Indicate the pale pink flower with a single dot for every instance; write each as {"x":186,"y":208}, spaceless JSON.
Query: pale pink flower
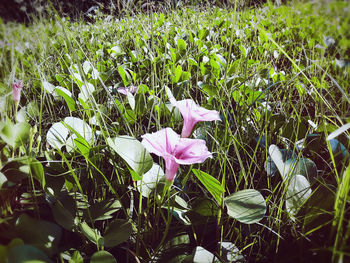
{"x":16,"y":90}
{"x":125,"y":91}
{"x":193,"y":113}
{"x":175,"y":150}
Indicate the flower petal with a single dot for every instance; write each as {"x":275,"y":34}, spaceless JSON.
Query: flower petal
{"x":189,"y":151}
{"x":189,"y":108}
{"x":16,"y":90}
{"x":192,"y":113}
{"x":161,"y":143}
{"x":125,"y":91}
{"x":171,"y":167}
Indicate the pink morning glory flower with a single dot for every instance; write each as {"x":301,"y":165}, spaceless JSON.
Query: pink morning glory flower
{"x":16,"y":90}
{"x":125,"y":91}
{"x":175,"y":150}
{"x":193,"y":113}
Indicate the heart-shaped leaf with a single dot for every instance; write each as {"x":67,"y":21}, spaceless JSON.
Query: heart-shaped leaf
{"x":48,"y":87}
{"x":102,"y":257}
{"x":298,"y":191}
{"x":201,"y":255}
{"x":37,"y":171}
{"x":87,"y":90}
{"x":133,"y":152}
{"x":131,"y":100}
{"x":57,"y":135}
{"x":292,"y":166}
{"x":42,"y":234}
{"x":247,"y":206}
{"x":102,"y":210}
{"x":26,"y":253}
{"x":64,"y":210}
{"x":117,"y":232}
{"x":15,"y":135}
{"x":302,"y":166}
{"x":67,"y":96}
{"x":205,"y":207}
{"x":270,"y":166}
{"x":17,"y":169}
{"x":150,"y":180}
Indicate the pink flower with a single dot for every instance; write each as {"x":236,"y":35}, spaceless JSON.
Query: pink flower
{"x":175,"y":150}
{"x":125,"y":91}
{"x":192,"y":113}
{"x":16,"y":90}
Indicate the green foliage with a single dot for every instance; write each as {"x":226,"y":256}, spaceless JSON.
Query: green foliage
{"x":102,"y":256}
{"x":77,"y":185}
{"x":133,"y":152}
{"x":247,"y":206}
{"x":15,"y":134}
{"x":211,"y":184}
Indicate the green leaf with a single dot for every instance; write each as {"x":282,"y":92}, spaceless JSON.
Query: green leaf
{"x":117,"y":232}
{"x":302,"y":166}
{"x":131,"y":100}
{"x":80,"y":129}
{"x":247,"y":206}
{"x":57,"y":135}
{"x":116,"y":51}
{"x":130,"y":116}
{"x":37,"y":171}
{"x":83,"y":146}
{"x":15,"y":135}
{"x":87,"y":91}
{"x":150,"y":180}
{"x":42,"y":234}
{"x":178,"y":73}
{"x":76,"y":258}
{"x":203,"y":33}
{"x":33,"y":109}
{"x":339,"y":151}
{"x":201,"y":255}
{"x":102,"y":210}
{"x":174,"y":250}
{"x":181,"y":44}
{"x":292,"y":166}
{"x":64,"y":210}
{"x":205,"y":207}
{"x":87,"y":67}
{"x":298,"y":191}
{"x":17,"y":169}
{"x":211,"y":90}
{"x":91,"y":234}
{"x":211,"y":184}
{"x":59,"y":131}
{"x":124,"y":75}
{"x":277,"y":157}
{"x":26,"y":253}
{"x":67,"y":96}
{"x":77,"y":79}
{"x":48,"y":87}
{"x":133,"y":152}
{"x":102,"y":257}
{"x":3,"y":179}
{"x":192,"y":62}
